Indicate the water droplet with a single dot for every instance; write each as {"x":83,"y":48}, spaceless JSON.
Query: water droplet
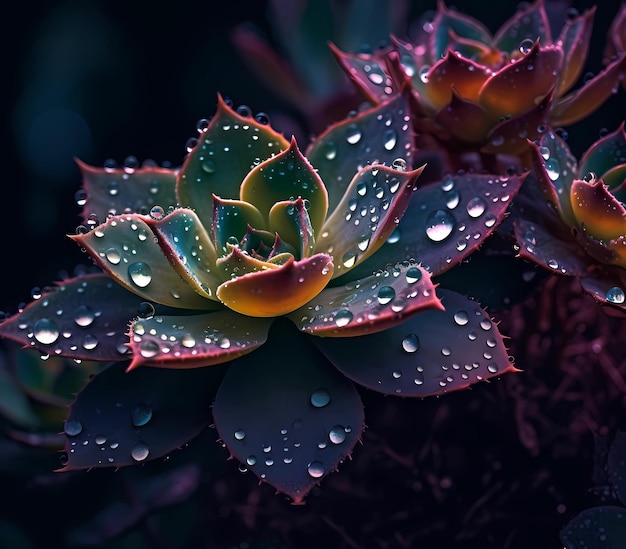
{"x":476,"y":207}
{"x":145,"y":310}
{"x":390,"y":139}
{"x":208,"y":166}
{"x":84,"y":316}
{"x":157,"y":212}
{"x":315,"y":469}
{"x":354,"y":134}
{"x":140,"y":273}
{"x":343,"y":317}
{"x":452,"y":200}
{"x":240,"y":435}
{"x":251,"y":460}
{"x":349,"y":259}
{"x":413,"y":275}
{"x":141,"y":414}
{"x":320,"y":398}
{"x":615,"y":295}
{"x":461,"y":318}
{"x":399,"y":164}
{"x":553,"y":168}
{"x":337,"y":434}
{"x":439,"y":225}
{"x":386,"y":295}
{"x":46,"y":331}
{"x":330,"y":150}
{"x":140,"y":451}
{"x":113,"y":256}
{"x":410,"y":343}
{"x":73,"y":427}
{"x":526,"y":45}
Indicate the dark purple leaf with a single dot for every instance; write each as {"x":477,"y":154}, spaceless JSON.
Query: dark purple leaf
{"x":287,"y":414}
{"x":432,"y":353}
{"x":123,"y":418}
{"x":602,"y":527}
{"x":84,"y":318}
{"x":119,"y":190}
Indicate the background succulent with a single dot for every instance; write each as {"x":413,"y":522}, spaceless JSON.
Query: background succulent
{"x":575,"y":225}
{"x":489,"y":93}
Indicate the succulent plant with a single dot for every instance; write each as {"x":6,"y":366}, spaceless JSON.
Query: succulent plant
{"x":577,"y":225}
{"x":257,"y":287}
{"x":475,"y":91}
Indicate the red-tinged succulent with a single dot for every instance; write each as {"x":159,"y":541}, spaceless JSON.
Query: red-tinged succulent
{"x":291,"y":275}
{"x":490,"y":93}
{"x":577,"y":224}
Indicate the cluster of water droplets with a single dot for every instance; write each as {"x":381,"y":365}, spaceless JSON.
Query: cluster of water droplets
{"x":140,"y":415}
{"x":62,"y":329}
{"x":157,"y":337}
{"x":286,"y":446}
{"x":364,"y":301}
{"x":464,"y":218}
{"x":458,"y":363}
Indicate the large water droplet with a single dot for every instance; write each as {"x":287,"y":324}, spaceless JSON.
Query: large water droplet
{"x":553,"y":168}
{"x":439,"y":225}
{"x":410,"y":343}
{"x":354,"y":134}
{"x":140,"y":273}
{"x":140,"y":451}
{"x":320,"y":398}
{"x":386,"y":295}
{"x":390,"y":139}
{"x":240,"y":435}
{"x":46,"y":331}
{"x":615,"y":295}
{"x":141,"y":414}
{"x":84,"y":316}
{"x":337,"y":434}
{"x":461,"y":318}
{"x":315,"y":469}
{"x":343,"y":317}
{"x":476,"y":207}
{"x":413,"y":275}
{"x":73,"y":427}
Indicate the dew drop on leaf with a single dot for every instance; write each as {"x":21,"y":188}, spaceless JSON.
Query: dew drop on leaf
{"x":46,"y":331}
{"x":320,"y":398}
{"x":141,"y":414}
{"x":140,"y":274}
{"x":439,"y":225}
{"x":140,"y":451}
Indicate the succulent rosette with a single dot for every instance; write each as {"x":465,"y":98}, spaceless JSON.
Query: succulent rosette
{"x":292,"y":275}
{"x":482,"y":92}
{"x":577,"y":226}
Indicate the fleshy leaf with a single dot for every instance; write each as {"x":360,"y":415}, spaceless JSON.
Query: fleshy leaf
{"x":446,"y":221}
{"x":582,"y":102}
{"x":597,"y":211}
{"x":367,"y":72}
{"x":455,"y":72}
{"x":122,"y":418}
{"x":511,"y":136}
{"x":286,"y":176}
{"x":476,"y":121}
{"x":602,"y":526}
{"x":370,"y":210}
{"x":605,"y":154}
{"x":541,"y":245}
{"x":238,"y":263}
{"x":187,"y":245}
{"x":191,"y":341}
{"x":119,"y":190}
{"x":555,"y":167}
{"x":224,"y":155}
{"x":575,"y":37}
{"x":522,"y":85}
{"x":432,"y":353}
{"x":83,"y":318}
{"x":606,"y":289}
{"x":368,"y":305}
{"x":447,"y":20}
{"x":290,"y":219}
{"x":530,"y":23}
{"x":290,"y":420}
{"x":279,"y":291}
{"x":125,"y":247}
{"x":232,"y":218}
{"x":380,"y":134}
